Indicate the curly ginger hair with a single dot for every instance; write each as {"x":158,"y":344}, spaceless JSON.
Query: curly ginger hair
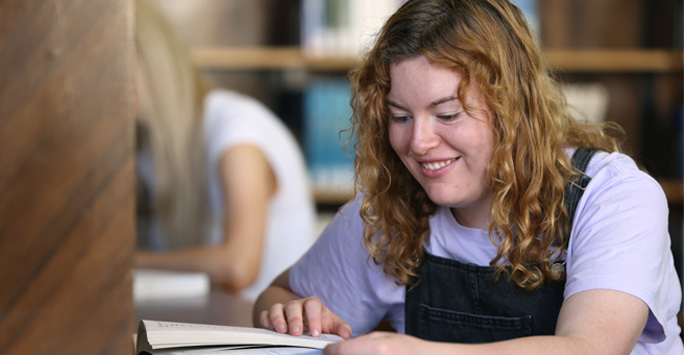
{"x":490,"y":42}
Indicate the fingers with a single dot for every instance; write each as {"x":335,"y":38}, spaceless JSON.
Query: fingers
{"x":265,"y":321}
{"x":312,"y":309}
{"x":274,"y":318}
{"x":290,"y":317}
{"x":295,"y":317}
{"x":342,"y":329}
{"x":307,"y":314}
{"x":320,"y":319}
{"x":377,"y":343}
{"x":323,"y":320}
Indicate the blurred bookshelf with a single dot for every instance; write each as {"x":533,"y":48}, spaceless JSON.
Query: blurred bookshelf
{"x":616,"y":60}
{"x":624,"y":66}
{"x":580,"y":61}
{"x":294,"y":58}
{"x":674,"y":190}
{"x":268,"y":58}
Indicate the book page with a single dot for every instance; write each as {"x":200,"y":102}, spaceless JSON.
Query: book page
{"x":160,"y":335}
{"x":221,"y":350}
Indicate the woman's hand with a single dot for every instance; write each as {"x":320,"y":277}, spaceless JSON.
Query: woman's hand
{"x":379,"y":343}
{"x":304,"y":315}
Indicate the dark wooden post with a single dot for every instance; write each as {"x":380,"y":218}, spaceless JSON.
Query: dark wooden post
{"x":66,"y":176}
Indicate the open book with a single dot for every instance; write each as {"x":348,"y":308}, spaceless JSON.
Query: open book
{"x":156,"y":337}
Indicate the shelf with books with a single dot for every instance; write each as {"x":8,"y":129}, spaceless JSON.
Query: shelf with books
{"x":333,"y":197}
{"x":293,"y":57}
{"x":268,"y":58}
{"x":616,"y":60}
{"x":286,"y":58}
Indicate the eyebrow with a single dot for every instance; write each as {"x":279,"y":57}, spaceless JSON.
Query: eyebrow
{"x":431,"y":105}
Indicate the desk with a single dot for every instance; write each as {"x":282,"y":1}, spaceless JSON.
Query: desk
{"x":219,"y":307}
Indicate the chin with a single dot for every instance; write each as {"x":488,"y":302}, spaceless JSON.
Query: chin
{"x":441,"y":201}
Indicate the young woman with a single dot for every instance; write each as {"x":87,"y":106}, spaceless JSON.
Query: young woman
{"x":486,"y":213}
{"x":226,"y":184}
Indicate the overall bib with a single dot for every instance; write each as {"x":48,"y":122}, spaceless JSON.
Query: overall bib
{"x":459,"y":302}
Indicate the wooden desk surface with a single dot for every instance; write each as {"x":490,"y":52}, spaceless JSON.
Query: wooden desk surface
{"x":219,"y":307}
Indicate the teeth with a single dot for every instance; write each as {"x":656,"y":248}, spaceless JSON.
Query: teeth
{"x":437,"y":165}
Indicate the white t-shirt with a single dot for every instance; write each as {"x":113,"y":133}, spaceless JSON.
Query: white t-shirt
{"x":232,"y":119}
{"x":619,"y":241}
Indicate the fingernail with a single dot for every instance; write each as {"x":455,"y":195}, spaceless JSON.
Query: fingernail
{"x":315,"y":332}
{"x":281,"y":328}
{"x":295,"y":330}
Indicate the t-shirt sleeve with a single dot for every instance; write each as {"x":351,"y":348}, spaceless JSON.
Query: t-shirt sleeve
{"x":620,"y":241}
{"x":232,"y":120}
{"x":338,"y":272}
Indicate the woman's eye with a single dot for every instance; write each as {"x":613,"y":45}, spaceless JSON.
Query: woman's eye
{"x":400,"y":118}
{"x":449,"y":117}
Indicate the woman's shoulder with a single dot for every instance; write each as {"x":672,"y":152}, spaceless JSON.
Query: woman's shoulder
{"x":346,"y":226}
{"x":617,"y":172}
{"x":351,"y":210}
{"x":233,"y":118}
{"x":618,"y":162}
{"x":227,"y":104}
{"x":620,"y":241}
{"x":621,"y":203}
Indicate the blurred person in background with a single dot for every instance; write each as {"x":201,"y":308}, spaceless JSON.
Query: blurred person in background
{"x":222,"y":183}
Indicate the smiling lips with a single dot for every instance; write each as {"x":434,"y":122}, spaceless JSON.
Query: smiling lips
{"x":436,"y":165}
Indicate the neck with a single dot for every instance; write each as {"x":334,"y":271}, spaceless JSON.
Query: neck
{"x":480,"y":218}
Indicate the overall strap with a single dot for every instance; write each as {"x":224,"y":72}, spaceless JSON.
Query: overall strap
{"x":463,"y":303}
{"x":575,"y":188}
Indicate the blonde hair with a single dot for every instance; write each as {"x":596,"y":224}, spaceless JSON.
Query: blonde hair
{"x":490,"y":42}
{"x":170,"y":125}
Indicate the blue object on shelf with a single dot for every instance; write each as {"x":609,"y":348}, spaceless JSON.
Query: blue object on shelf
{"x":326,"y":114}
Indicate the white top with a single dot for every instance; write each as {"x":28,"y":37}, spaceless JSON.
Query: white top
{"x":619,"y":241}
{"x":232,"y":119}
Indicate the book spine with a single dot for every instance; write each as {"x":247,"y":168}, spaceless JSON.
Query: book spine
{"x":342,"y":27}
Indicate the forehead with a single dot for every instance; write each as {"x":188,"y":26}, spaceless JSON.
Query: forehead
{"x":418,"y":79}
{"x":421,"y":67}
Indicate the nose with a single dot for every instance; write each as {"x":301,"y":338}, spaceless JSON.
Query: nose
{"x":424,"y":137}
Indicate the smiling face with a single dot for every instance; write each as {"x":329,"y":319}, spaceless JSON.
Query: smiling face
{"x":446,"y":149}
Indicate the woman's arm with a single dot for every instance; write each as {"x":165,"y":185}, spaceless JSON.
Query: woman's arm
{"x":248,"y":183}
{"x":590,"y":322}
{"x":280,"y":309}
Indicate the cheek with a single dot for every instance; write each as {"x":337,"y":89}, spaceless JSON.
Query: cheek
{"x":483,"y":134}
{"x":486,"y":149}
{"x":488,"y":140}
{"x":397,"y":138}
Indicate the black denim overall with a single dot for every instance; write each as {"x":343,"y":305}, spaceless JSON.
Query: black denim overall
{"x":458,"y":302}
